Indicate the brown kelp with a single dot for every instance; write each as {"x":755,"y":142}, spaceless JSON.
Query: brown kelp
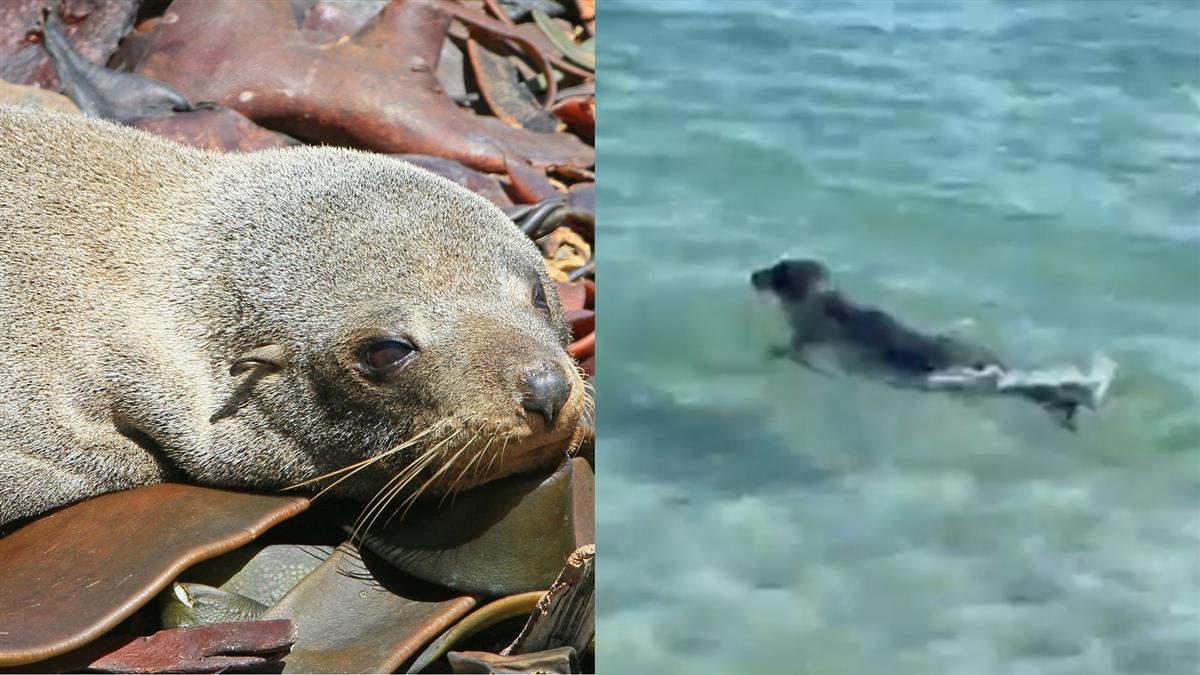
{"x":375,"y":90}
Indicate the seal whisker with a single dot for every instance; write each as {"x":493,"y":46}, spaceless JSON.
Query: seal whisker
{"x":335,"y":484}
{"x":466,"y":445}
{"x":395,"y":485}
{"x":503,"y":448}
{"x":357,"y":466}
{"x":411,"y":499}
{"x":450,"y":491}
{"x":576,"y":442}
{"x":408,"y":501}
{"x":492,"y":459}
{"x":467,"y":466}
{"x":400,"y":478}
{"x":395,"y":494}
{"x":364,"y":466}
{"x":500,"y":454}
{"x":378,"y":503}
{"x":479,"y":467}
{"x":381,"y":456}
{"x":583,"y":375}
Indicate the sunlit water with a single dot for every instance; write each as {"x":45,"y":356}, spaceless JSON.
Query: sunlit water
{"x":1025,"y":173}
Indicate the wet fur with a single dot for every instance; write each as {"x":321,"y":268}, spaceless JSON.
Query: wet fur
{"x":134,"y":272}
{"x":899,"y":347}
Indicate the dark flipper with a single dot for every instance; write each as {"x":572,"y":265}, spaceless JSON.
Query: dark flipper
{"x":100,"y":92}
{"x":1063,"y":412}
{"x":775,"y":352}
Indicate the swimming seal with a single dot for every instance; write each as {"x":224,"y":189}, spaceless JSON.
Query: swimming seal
{"x":866,"y":340}
{"x":259,"y":320}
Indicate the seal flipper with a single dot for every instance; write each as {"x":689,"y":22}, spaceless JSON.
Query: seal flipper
{"x":1104,"y":371}
{"x":775,"y":352}
{"x":1062,"y":392}
{"x":1063,"y":412}
{"x":100,"y":92}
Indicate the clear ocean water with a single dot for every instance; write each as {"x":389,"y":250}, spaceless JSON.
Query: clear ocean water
{"x":1027,"y":173}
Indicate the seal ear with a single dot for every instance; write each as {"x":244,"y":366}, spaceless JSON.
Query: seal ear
{"x":259,"y":362}
{"x":266,"y":359}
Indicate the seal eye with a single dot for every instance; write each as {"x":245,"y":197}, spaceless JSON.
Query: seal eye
{"x":539,"y":295}
{"x":387,"y":353}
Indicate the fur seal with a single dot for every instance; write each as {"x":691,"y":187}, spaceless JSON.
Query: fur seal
{"x":868,"y":341}
{"x":260,"y":320}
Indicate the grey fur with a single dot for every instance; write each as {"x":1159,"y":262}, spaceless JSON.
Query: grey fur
{"x":135,"y":272}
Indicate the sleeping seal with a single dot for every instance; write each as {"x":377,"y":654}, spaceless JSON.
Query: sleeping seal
{"x":868,"y":341}
{"x":259,"y":320}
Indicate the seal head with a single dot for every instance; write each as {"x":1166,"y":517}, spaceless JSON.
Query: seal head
{"x":792,"y":280}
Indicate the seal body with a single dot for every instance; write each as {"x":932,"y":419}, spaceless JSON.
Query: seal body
{"x":863,"y":338}
{"x":868,"y":341}
{"x":258,"y":320}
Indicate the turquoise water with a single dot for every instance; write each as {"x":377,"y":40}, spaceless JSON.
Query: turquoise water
{"x":1027,"y":173}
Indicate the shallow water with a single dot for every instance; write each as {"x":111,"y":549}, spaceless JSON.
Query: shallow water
{"x":1027,"y":173}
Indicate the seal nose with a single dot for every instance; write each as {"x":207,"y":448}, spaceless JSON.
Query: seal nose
{"x":760,"y":280}
{"x":544,"y":390}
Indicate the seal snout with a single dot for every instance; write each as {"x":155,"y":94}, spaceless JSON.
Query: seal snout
{"x":791,"y":279}
{"x":761,"y":280}
{"x":544,"y":390}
